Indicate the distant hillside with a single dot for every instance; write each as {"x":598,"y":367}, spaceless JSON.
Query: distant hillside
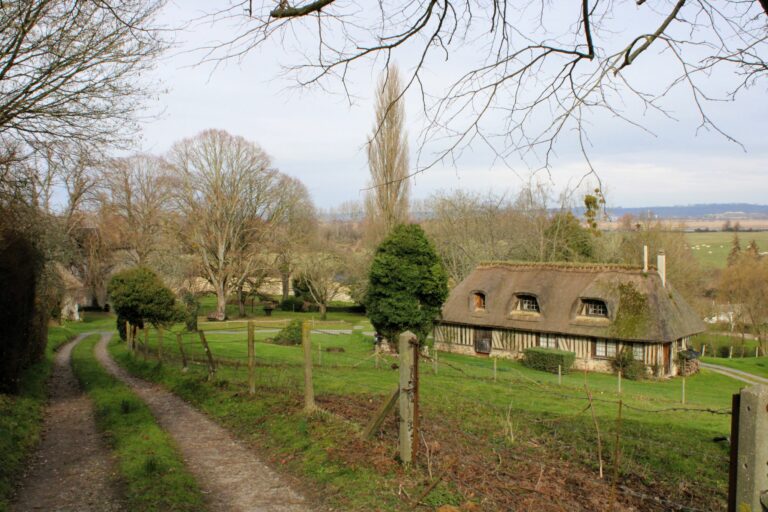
{"x":697,"y":211}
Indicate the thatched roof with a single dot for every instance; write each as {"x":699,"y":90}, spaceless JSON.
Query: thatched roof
{"x":639,"y":307}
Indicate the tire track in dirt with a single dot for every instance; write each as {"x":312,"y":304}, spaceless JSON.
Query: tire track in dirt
{"x":72,"y":469}
{"x":231,"y":476}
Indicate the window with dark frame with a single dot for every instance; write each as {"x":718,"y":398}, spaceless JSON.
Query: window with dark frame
{"x":605,"y":349}
{"x":592,"y":307}
{"x":638,"y":351}
{"x":478,"y":301}
{"x":528,"y":303}
{"x":547,"y":340}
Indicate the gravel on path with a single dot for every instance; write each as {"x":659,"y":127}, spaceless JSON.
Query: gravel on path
{"x":231,"y":476}
{"x":72,"y":468}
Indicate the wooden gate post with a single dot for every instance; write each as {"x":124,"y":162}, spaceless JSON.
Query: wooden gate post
{"x":251,"y":361}
{"x":405,"y":434}
{"x":749,"y":492}
{"x":309,"y":390}
{"x":180,"y":342}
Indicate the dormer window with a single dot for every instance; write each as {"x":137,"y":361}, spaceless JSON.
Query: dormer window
{"x":478,"y":301}
{"x":592,"y":307}
{"x":527,"y":303}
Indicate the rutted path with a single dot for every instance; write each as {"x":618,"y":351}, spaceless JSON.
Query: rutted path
{"x":749,"y":378}
{"x":71,"y":470}
{"x":232,"y":477}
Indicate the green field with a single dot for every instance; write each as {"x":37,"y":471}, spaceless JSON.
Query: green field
{"x":522,"y":412}
{"x":712,"y":248}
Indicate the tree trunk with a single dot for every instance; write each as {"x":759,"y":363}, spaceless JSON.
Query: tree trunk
{"x":285,"y":277}
{"x":221,"y":304}
{"x":323,"y":311}
{"x":241,"y":301}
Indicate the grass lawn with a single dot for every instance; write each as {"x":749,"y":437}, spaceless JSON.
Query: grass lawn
{"x":712,"y":248}
{"x":718,"y":345}
{"x":150,"y":466}
{"x":21,"y":416}
{"x":524,"y":413}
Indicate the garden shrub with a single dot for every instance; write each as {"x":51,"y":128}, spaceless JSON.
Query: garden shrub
{"x":723,"y":351}
{"x":191,"y":310}
{"x":292,"y":304}
{"x":548,"y":359}
{"x":290,"y":334}
{"x":630,"y":368}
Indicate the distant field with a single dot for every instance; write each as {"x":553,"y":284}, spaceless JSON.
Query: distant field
{"x":712,"y":248}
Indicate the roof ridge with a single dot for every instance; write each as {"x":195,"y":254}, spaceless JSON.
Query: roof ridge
{"x":567,"y":266}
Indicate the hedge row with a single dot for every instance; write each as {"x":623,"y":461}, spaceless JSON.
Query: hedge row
{"x":548,"y":359}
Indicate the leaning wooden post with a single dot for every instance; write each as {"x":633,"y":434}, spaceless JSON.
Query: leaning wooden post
{"x":309,"y":391}
{"x":405,"y":434}
{"x":730,"y":353}
{"x":751,"y":485}
{"x":180,"y":343}
{"x":251,"y":361}
{"x":211,"y":362}
{"x":703,"y":350}
{"x":160,"y":343}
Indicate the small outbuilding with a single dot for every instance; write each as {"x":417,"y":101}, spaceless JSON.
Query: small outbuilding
{"x":593,"y":310}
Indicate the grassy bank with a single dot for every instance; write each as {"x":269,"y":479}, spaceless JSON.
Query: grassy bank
{"x":21,"y":416}
{"x":150,"y":466}
{"x":508,"y":424}
{"x":755,"y":365}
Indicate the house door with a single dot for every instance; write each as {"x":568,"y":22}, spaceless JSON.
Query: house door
{"x":483,"y":340}
{"x":667,"y":358}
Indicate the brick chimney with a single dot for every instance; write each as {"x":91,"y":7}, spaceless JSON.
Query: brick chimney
{"x":645,"y":259}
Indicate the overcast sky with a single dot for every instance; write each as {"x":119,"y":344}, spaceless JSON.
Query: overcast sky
{"x":318,"y":136}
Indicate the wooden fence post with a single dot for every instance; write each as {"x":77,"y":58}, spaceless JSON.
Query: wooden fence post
{"x":309,"y":391}
{"x":559,"y":375}
{"x":251,"y":361}
{"x":685,"y":368}
{"x":619,"y":381}
{"x":495,"y":359}
{"x":434,"y":362}
{"x":750,"y":491}
{"x":211,"y":362}
{"x":730,"y":352}
{"x":180,"y":343}
{"x":146,"y":341}
{"x":160,"y":343}
{"x":128,"y":333}
{"x":405,"y":434}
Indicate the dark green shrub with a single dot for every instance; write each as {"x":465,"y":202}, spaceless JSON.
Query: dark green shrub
{"x":291,"y":304}
{"x":121,"y":328}
{"x":548,"y":359}
{"x":290,"y":334}
{"x":630,"y":368}
{"x":723,"y":351}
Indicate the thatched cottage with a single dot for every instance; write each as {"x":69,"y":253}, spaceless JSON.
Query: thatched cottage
{"x":592,"y":310}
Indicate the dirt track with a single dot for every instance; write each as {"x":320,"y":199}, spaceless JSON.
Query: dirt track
{"x":231,"y":476}
{"x":71,"y":470}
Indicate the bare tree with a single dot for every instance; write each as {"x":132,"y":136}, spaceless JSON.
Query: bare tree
{"x":137,"y":190}
{"x":744,"y":285}
{"x":536,"y":68}
{"x":321,"y":273}
{"x":74,"y":70}
{"x":294,"y":228}
{"x":387,"y":202}
{"x":228,"y":197}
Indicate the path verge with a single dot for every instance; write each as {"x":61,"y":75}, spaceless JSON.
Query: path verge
{"x":749,"y":378}
{"x":233,"y":478}
{"x":71,"y":470}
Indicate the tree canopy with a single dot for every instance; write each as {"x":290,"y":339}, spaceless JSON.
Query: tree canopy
{"x":139,"y":295}
{"x":407,"y":284}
